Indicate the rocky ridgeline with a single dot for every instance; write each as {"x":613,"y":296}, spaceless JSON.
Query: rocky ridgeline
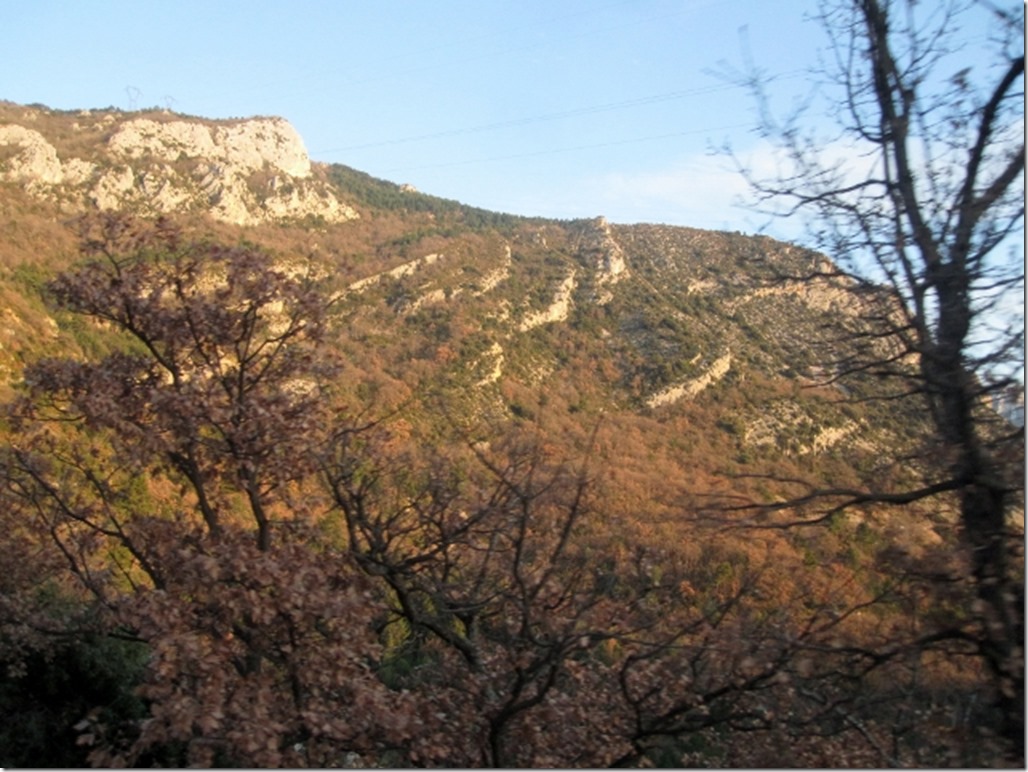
{"x":242,"y":172}
{"x":596,"y":241}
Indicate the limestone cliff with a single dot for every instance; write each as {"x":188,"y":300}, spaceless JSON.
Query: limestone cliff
{"x":240,"y":171}
{"x":596,"y":241}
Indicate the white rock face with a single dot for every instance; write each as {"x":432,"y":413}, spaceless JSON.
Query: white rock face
{"x":77,"y":172}
{"x":818,"y":294}
{"x":496,"y":277}
{"x":611,"y":266}
{"x":608,"y":257}
{"x":242,"y":172}
{"x":404,"y":269}
{"x":245,"y":147}
{"x":113,"y":187}
{"x":688,"y":390}
{"x":165,"y":141}
{"x":35,"y":160}
{"x":558,"y":310}
{"x":495,"y":353}
{"x":779,"y":419}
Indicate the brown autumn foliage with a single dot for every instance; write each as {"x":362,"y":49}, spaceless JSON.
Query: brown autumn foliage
{"x":317,"y":588}
{"x":928,"y":228}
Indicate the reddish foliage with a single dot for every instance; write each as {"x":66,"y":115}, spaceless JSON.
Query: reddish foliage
{"x":317,"y":594}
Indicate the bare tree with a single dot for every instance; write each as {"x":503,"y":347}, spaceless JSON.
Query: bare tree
{"x":916,"y":193}
{"x":169,"y":476}
{"x":219,"y":375}
{"x":310,"y":591}
{"x":515,"y":614}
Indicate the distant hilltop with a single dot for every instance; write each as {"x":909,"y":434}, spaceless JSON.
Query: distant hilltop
{"x":238,"y":171}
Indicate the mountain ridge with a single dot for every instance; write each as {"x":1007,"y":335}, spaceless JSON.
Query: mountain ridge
{"x":662,"y":324}
{"x":492,"y":413}
{"x":239,"y":171}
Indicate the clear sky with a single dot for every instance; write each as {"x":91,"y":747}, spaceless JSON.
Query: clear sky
{"x":559,"y":108}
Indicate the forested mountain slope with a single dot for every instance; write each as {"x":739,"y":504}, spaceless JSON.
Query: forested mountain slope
{"x":552,"y":457}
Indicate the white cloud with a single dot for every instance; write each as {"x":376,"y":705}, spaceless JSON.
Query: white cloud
{"x":701,"y":191}
{"x":708,"y":191}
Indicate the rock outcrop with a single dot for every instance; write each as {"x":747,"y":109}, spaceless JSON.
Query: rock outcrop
{"x":688,"y":390}
{"x":558,"y":310}
{"x":243,"y":172}
{"x":598,"y":245}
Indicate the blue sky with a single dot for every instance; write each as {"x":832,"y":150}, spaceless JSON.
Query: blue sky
{"x":559,"y":108}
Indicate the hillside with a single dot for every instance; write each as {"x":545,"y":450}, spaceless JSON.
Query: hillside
{"x":667,"y":313}
{"x":690,"y":373}
{"x":690,"y":334}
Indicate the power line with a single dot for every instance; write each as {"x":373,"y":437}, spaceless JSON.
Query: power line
{"x":580,"y":111}
{"x":449,"y":45}
{"x":573,"y":148}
